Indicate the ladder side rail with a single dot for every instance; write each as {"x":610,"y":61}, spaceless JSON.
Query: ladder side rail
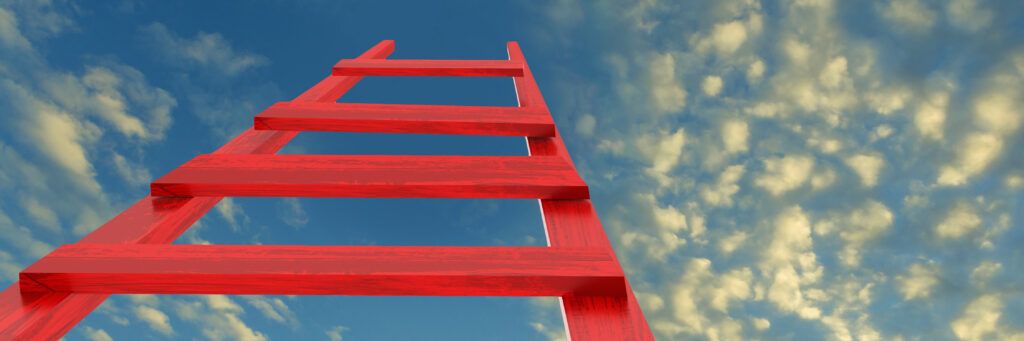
{"x":574,"y":223}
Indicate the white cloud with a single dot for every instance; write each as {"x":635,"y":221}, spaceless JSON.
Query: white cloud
{"x":663,"y":151}
{"x":998,"y":109}
{"x":43,"y":19}
{"x":979,"y":319}
{"x":730,"y":243}
{"x":997,"y":117}
{"x":291,"y":213}
{"x":844,"y":108}
{"x":695,"y":221}
{"x":43,"y":215}
{"x":10,"y":34}
{"x":834,"y":73}
{"x":218,"y":317}
{"x":755,"y":71}
{"x":911,"y":14}
{"x":761,"y":324}
{"x":132,"y":173}
{"x":60,"y":137}
{"x":784,"y":174}
{"x":334,"y":334}
{"x":968,"y":14}
{"x":117,"y":95}
{"x":701,"y":292}
{"x":547,"y":319}
{"x":20,"y":238}
{"x":208,"y":50}
{"x":156,"y":319}
{"x":735,"y":134}
{"x":727,"y":37}
{"x":849,"y":318}
{"x":62,"y":118}
{"x":656,"y":246}
{"x":669,"y":218}
{"x":712,"y":85}
{"x":9,"y":269}
{"x":733,"y":285}
{"x":857,"y":228}
{"x":720,"y":194}
{"x":233,"y":214}
{"x":94,"y":334}
{"x":585,"y":125}
{"x":930,"y":118}
{"x":919,"y":281}
{"x":827,"y":145}
{"x":790,"y":249}
{"x":961,"y":220}
{"x":667,"y":95}
{"x":726,"y":329}
{"x":1000,"y":223}
{"x":985,"y":271}
{"x":797,"y":52}
{"x":880,"y":132}
{"x":652,"y":301}
{"x":273,"y":308}
{"x":888,"y":100}
{"x":823,"y":178}
{"x":112,"y":104}
{"x":669,"y":221}
{"x":222,"y":303}
{"x":1014,"y":181}
{"x":146,"y":299}
{"x":787,"y":296}
{"x":567,"y":13}
{"x":867,"y":167}
{"x":976,"y":152}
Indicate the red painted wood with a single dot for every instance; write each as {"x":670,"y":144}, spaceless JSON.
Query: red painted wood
{"x":327,"y":270}
{"x":601,"y":309}
{"x":377,"y":176}
{"x":43,"y":317}
{"x":421,"y":67}
{"x":331,"y":88}
{"x":151,"y":220}
{"x":574,"y":223}
{"x":403,"y":118}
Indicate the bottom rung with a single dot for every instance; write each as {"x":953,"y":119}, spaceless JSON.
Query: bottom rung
{"x":325,"y":270}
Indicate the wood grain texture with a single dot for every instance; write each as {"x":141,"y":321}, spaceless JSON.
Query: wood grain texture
{"x":333,"y":87}
{"x":42,"y":316}
{"x":376,"y":176}
{"x":579,"y":266}
{"x":152,"y":220}
{"x":423,"y":67}
{"x":406,"y":118}
{"x":34,"y":316}
{"x":574,"y":223}
{"x":327,"y":270}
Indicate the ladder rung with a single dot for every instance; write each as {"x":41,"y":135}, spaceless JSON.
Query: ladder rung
{"x":326,"y":270}
{"x":403,"y":118}
{"x":421,"y":67}
{"x":374,"y":176}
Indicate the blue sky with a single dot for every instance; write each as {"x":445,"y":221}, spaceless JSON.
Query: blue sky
{"x":806,"y":169}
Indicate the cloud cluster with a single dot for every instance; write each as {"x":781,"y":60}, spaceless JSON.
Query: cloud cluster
{"x":833,"y":159}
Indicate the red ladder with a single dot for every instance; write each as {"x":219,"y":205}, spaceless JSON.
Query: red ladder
{"x":132,"y":253}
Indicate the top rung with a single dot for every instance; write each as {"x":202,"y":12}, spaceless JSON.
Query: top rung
{"x":420,"y":67}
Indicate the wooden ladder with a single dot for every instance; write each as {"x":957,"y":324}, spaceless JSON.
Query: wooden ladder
{"x":132,"y":253}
